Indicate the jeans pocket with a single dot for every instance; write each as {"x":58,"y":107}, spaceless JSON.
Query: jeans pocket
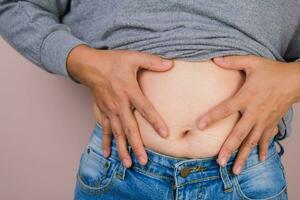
{"x":95,"y":172}
{"x":265,"y":180}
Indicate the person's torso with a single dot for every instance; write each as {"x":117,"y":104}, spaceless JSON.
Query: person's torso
{"x":191,"y":30}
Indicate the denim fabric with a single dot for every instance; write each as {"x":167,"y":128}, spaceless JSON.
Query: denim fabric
{"x":168,"y":178}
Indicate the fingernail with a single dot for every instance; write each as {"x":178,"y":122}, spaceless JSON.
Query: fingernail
{"x":163,"y":132}
{"x":202,"y":125}
{"x":126,"y":162}
{"x":167,"y":63}
{"x":105,"y":153}
{"x":219,"y":59}
{"x":237,"y":170}
{"x":222,"y":161}
{"x":262,"y":158}
{"x":143,"y":160}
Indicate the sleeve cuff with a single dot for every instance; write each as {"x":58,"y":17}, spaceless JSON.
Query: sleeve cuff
{"x":55,"y":50}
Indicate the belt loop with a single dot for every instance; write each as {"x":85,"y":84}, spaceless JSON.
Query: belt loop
{"x":120,"y":174}
{"x":226,"y":180}
{"x":121,"y":170}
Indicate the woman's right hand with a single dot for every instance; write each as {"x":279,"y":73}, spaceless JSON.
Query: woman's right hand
{"x":111,"y":75}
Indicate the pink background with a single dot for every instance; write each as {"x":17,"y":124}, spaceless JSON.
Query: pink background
{"x":45,"y":121}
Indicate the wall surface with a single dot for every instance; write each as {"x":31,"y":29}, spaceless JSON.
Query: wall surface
{"x":45,"y":121}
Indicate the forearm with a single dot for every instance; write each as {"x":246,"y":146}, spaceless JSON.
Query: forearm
{"x":34,"y":29}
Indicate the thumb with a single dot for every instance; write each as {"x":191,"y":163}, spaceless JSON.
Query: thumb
{"x":234,"y":62}
{"x":154,"y":62}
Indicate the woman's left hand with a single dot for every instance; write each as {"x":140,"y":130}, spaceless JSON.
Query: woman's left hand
{"x":270,"y":88}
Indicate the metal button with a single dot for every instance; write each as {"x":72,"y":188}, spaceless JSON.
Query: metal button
{"x":185,"y":171}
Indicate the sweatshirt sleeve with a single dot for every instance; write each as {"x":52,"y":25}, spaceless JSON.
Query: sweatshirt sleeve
{"x":35,"y":30}
{"x":293,"y":51}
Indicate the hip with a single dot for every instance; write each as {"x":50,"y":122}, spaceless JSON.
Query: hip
{"x":166,"y":177}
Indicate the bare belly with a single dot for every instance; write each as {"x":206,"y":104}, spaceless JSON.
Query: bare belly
{"x":181,"y":95}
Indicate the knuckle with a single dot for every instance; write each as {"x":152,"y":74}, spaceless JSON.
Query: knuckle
{"x":123,"y":90}
{"x":113,"y":109}
{"x":128,"y":131}
{"x":252,"y":114}
{"x":105,"y":120}
{"x":250,"y":144}
{"x":105,"y":128}
{"x":118,"y":134}
{"x":239,"y":133}
{"x":126,"y":91}
{"x":137,"y":149}
{"x":264,"y":142}
{"x":224,"y":110}
{"x":228,"y":149}
{"x":106,"y":133}
{"x":145,"y":110}
{"x":240,"y":137}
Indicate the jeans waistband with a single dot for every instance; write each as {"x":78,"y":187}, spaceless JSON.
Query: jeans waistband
{"x":185,"y":170}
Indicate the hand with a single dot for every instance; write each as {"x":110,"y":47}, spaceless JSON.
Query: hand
{"x":111,"y":76}
{"x":270,"y":88}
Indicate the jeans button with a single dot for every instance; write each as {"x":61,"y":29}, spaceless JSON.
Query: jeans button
{"x":185,"y":172}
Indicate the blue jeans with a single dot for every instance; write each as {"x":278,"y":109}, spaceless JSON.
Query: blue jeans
{"x":168,"y":178}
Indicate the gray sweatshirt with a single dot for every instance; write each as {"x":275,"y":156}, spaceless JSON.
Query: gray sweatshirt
{"x":45,"y":31}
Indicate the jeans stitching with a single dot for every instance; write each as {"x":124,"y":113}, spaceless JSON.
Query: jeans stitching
{"x":152,"y":175}
{"x":260,"y":163}
{"x":199,"y":180}
{"x":97,"y":190}
{"x":244,"y":197}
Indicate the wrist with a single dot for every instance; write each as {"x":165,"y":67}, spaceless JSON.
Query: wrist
{"x":296,"y":66}
{"x":78,"y":63}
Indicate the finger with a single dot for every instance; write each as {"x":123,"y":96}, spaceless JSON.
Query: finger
{"x":264,"y":141}
{"x":246,"y":148}
{"x":146,"y":109}
{"x":275,"y":131}
{"x":223,"y":110}
{"x":120,"y":141}
{"x":236,"y":137}
{"x":131,"y":131}
{"x":98,"y":114}
{"x":238,"y":62}
{"x":153,"y":62}
{"x":106,"y":137}
{"x":103,"y":121}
